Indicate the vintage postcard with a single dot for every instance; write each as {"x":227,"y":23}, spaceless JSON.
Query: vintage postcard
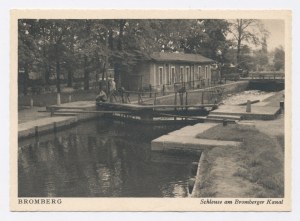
{"x":150,"y":110}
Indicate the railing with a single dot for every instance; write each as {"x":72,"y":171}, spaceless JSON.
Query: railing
{"x":267,"y":75}
{"x":181,"y":97}
{"x":165,"y":89}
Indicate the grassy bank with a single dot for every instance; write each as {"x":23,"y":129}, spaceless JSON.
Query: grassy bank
{"x":256,"y":169}
{"x":42,"y":100}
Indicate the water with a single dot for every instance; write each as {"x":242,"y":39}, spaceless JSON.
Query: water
{"x":101,"y":158}
{"x":242,"y":97}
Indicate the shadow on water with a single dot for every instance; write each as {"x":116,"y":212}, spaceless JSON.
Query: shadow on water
{"x":102,"y":158}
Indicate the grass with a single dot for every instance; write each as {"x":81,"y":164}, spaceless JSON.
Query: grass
{"x":42,"y":100}
{"x":260,"y":159}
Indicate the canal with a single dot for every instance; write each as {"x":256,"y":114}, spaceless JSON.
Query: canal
{"x":102,"y":158}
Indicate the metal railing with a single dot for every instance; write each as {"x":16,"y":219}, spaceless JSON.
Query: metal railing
{"x":267,"y":75}
{"x":211,"y":94}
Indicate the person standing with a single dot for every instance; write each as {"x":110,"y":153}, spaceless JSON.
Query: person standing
{"x":112,"y":89}
{"x":101,"y":96}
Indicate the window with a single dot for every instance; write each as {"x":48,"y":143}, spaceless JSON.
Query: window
{"x":187,"y":74}
{"x":199,"y":72}
{"x":168,"y":75}
{"x":160,"y":75}
{"x":181,"y":74}
{"x":173,"y":80}
{"x":192,"y":74}
{"x":206,"y":72}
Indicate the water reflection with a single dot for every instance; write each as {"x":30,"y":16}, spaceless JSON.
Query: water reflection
{"x":101,"y":159}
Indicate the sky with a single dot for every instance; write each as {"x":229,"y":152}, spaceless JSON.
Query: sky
{"x":276,"y":29}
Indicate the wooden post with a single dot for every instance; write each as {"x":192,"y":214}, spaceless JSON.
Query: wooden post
{"x":175,"y":103}
{"x":150,"y":89}
{"x":54,"y":127}
{"x":139,"y":98}
{"x":58,"y":99}
{"x":186,"y":99}
{"x":281,"y":104}
{"x":122,"y":96}
{"x":154,"y":102}
{"x":36,"y":130}
{"x":202,"y":97}
{"x":31,"y":102}
{"x":248,"y":108}
{"x":52,"y":112}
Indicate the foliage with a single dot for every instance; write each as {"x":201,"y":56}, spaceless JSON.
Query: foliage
{"x":65,"y":49}
{"x":278,"y":60}
{"x":249,"y":31}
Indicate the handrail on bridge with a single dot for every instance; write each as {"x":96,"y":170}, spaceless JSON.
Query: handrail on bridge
{"x":267,"y":75}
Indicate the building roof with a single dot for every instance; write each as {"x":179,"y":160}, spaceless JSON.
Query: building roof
{"x":180,"y":57}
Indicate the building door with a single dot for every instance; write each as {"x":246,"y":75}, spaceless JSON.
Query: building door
{"x":181,"y":74}
{"x":160,"y":75}
{"x":173,"y":75}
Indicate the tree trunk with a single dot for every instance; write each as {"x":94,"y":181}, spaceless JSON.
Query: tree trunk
{"x":240,"y":32}
{"x":110,"y":40}
{"x":238,"y":53}
{"x":117,"y":76}
{"x":70,"y":78}
{"x":86,"y":75}
{"x":47,"y":74}
{"x":121,"y":32}
{"x":58,"y":76}
{"x":25,"y":80}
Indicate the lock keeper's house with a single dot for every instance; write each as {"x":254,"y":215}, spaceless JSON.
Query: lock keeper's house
{"x":170,"y":71}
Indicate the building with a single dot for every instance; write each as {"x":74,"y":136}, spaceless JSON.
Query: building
{"x":170,"y":71}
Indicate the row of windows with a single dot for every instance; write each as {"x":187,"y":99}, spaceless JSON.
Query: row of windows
{"x":185,"y":75}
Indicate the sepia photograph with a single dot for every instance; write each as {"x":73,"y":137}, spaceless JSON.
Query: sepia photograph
{"x":122,"y":108}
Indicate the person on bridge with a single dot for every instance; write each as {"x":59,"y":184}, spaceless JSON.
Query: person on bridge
{"x":102,"y":97}
{"x":181,"y":92}
{"x":112,"y":90}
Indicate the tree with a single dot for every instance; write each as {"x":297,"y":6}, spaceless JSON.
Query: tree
{"x":250,"y":31}
{"x":279,"y":56}
{"x":208,"y":37}
{"x":27,"y":51}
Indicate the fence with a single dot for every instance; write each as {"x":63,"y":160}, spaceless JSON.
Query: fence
{"x":210,"y":95}
{"x":165,"y":89}
{"x":267,"y":75}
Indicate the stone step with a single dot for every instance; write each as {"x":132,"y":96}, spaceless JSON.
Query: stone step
{"x":64,"y":114}
{"x":69,"y":110}
{"x":185,"y":139}
{"x":192,"y":131}
{"x":219,"y":120}
{"x":222,"y":116}
{"x":169,"y":142}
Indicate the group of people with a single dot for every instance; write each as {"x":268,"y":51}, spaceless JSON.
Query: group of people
{"x":112,"y":92}
{"x":102,"y":96}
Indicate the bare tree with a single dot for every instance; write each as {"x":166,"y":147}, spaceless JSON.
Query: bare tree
{"x":249,"y":31}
